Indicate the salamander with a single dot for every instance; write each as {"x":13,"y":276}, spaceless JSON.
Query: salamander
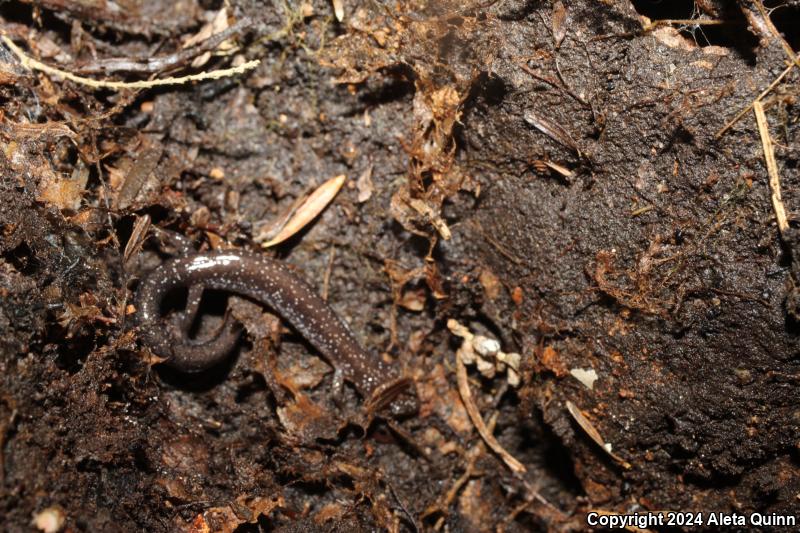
{"x":270,"y":283}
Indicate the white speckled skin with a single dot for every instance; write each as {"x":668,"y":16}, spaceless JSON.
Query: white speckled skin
{"x":266,"y":281}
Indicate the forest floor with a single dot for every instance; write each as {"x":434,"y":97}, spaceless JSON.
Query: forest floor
{"x":583,"y":181}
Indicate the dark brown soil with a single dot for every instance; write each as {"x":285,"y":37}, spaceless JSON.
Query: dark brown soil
{"x":553,"y":176}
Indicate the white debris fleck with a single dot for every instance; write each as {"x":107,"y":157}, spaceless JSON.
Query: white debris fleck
{"x":485,"y":346}
{"x":587,"y":377}
{"x":511,"y":359}
{"x":486,"y":354}
{"x":50,"y":520}
{"x":486,"y":368}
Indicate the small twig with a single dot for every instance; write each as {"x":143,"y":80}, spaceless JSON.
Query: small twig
{"x":150,"y":65}
{"x":683,"y":22}
{"x":477,"y":420}
{"x":772,"y":168}
{"x":563,"y":87}
{"x":793,"y":57}
{"x":403,"y":508}
{"x":442,"y":505}
{"x":32,"y":64}
{"x":775,"y":33}
{"x":744,"y":111}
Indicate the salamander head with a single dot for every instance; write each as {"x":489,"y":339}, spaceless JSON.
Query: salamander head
{"x":405,"y":405}
{"x":397,"y":398}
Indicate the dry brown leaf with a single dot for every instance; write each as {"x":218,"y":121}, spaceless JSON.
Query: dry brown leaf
{"x":218,"y":23}
{"x":140,"y":228}
{"x":142,"y":166}
{"x":228,"y":518}
{"x":559,"y":26}
{"x":46,"y":131}
{"x":308,"y":211}
{"x":413,"y":300}
{"x":296,"y":417}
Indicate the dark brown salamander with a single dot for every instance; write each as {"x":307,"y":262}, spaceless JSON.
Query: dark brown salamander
{"x":271,"y":283}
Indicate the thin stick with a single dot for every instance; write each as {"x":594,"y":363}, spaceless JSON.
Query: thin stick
{"x":475,"y":416}
{"x":775,"y":33}
{"x":32,"y":64}
{"x":741,"y":113}
{"x":772,"y":168}
{"x":794,"y":58}
{"x":683,"y":22}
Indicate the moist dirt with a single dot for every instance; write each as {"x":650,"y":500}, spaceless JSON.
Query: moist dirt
{"x":569,"y":179}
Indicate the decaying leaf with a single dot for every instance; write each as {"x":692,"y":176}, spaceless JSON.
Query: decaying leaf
{"x":365,"y":186}
{"x":245,"y":509}
{"x":218,"y":24}
{"x":553,"y":130}
{"x":414,"y":214}
{"x":64,"y":193}
{"x":309,"y":209}
{"x":145,"y":163}
{"x":49,"y":131}
{"x":559,"y":26}
{"x":139,"y":233}
{"x":413,"y":299}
